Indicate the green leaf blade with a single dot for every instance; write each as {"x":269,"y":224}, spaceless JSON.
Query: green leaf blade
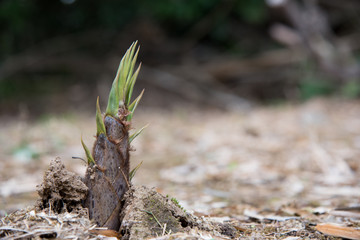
{"x":100,"y":126}
{"x":133,"y":172}
{"x":131,"y":83}
{"x":89,"y":157}
{"x":130,"y":76}
{"x":124,"y":81}
{"x":113,"y":101}
{"x":133,"y":105}
{"x":137,"y":133}
{"x":133,"y":58}
{"x":123,"y":74}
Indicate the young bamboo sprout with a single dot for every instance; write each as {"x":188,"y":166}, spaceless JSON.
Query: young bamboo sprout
{"x":108,"y":172}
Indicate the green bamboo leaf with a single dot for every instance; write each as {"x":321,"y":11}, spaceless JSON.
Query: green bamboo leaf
{"x":133,"y":172}
{"x":100,"y":126}
{"x":133,"y":59}
{"x":131,"y":85}
{"x":89,"y":157}
{"x":134,"y":135}
{"x":113,"y":102}
{"x":123,"y":84}
{"x":133,"y":105}
{"x":124,"y":73}
{"x":131,"y":71}
{"x":115,"y":94}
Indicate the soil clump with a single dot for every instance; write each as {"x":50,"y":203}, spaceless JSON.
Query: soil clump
{"x":61,"y":190}
{"x":147,"y":213}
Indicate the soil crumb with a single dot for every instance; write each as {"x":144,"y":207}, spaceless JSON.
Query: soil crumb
{"x":61,"y":190}
{"x":147,"y":214}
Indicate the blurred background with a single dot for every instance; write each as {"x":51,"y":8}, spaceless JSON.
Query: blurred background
{"x":234,"y":94}
{"x":59,"y":55}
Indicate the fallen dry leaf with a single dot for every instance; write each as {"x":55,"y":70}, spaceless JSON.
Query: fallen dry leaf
{"x":106,"y":233}
{"x":338,"y":231}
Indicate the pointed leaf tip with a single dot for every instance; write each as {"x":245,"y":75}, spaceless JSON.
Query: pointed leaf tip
{"x":100,"y":126}
{"x":134,"y":135}
{"x":125,"y":71}
{"x":131,"y":83}
{"x":123,"y":83}
{"x":134,"y":104}
{"x":133,"y":172}
{"x":113,"y":102}
{"x":89,"y":157}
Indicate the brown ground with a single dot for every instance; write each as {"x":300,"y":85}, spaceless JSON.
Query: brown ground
{"x":272,"y":172}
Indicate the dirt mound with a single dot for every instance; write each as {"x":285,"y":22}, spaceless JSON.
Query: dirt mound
{"x":147,"y":214}
{"x":61,"y":190}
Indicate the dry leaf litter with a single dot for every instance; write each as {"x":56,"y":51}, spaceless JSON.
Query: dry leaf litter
{"x":272,"y":172}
